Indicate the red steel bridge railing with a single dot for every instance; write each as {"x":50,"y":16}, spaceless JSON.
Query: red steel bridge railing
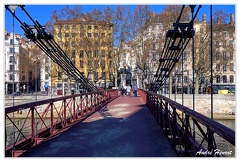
{"x":29,"y":124}
{"x":190,"y":133}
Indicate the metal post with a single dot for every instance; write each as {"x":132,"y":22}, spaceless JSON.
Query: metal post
{"x":13,"y":8}
{"x":51,"y":81}
{"x":182,"y":30}
{"x":36,"y":80}
{"x":192,"y":10}
{"x":211,"y":79}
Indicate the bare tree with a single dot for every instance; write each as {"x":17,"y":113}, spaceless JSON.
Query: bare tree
{"x":222,"y":49}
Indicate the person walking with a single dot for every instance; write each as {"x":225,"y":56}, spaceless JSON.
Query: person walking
{"x":123,"y":91}
{"x":119,"y":90}
{"x":135,"y":89}
{"x":128,"y":90}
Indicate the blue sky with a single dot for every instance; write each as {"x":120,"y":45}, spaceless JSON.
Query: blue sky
{"x":42,"y":12}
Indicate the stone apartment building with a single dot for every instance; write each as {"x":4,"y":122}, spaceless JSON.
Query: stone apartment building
{"x":223,"y":55}
{"x":89,"y":44}
{"x":11,"y":60}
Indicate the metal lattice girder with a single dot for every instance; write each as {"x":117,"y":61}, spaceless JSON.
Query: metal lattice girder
{"x":176,"y":41}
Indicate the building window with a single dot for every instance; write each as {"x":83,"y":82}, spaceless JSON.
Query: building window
{"x":110,"y":54}
{"x":217,"y":79}
{"x":46,"y":77}
{"x":11,"y":77}
{"x":96,"y":75}
{"x":74,"y":62}
{"x":224,"y":44}
{"x":102,"y":34}
{"x":153,"y":57}
{"x":89,"y":54}
{"x":218,"y":67}
{"x":81,"y":44}
{"x":12,"y":50}
{"x":60,"y":43}
{"x":66,"y":35}
{"x":201,"y":30}
{"x":179,"y":79}
{"x":81,"y":53}
{"x":96,"y":64}
{"x":59,"y":75}
{"x":96,"y":53}
{"x":74,"y":26}
{"x":11,"y":59}
{"x":217,"y":56}
{"x":81,"y":27}
{"x":73,"y":44}
{"x":81,"y":64}
{"x":81,"y":35}
{"x":154,"y":46}
{"x":224,"y":55}
{"x":66,"y":44}
{"x":103,"y":53}
{"x":59,"y":35}
{"x":73,"y":53}
{"x":231,"y":66}
{"x":185,"y":79}
{"x":224,"y":77}
{"x":103,"y":74}
{"x":103,"y":64}
{"x":66,"y":27}
{"x":103,"y":44}
{"x":12,"y":67}
{"x":95,"y":35}
{"x":224,"y":35}
{"x":225,"y":67}
{"x":73,"y":35}
{"x":110,"y":64}
{"x":11,"y":41}
{"x":231,"y":56}
{"x":89,"y":35}
{"x":231,"y":43}
{"x":231,"y":78}
{"x":89,"y":27}
{"x":89,"y":63}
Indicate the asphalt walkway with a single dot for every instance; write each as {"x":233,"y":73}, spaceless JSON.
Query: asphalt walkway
{"x":124,"y":128}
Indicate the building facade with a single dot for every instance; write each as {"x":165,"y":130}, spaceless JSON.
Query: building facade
{"x":89,"y":44}
{"x":11,"y":61}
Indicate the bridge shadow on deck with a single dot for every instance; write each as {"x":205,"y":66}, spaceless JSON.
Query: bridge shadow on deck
{"x":124,"y":128}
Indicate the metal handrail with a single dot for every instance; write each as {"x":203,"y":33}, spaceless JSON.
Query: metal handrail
{"x":32,"y":123}
{"x":175,"y":120}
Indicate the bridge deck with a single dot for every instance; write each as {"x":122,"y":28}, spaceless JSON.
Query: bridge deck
{"x":124,"y":128}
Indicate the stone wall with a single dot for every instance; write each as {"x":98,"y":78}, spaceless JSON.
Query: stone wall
{"x":223,"y":105}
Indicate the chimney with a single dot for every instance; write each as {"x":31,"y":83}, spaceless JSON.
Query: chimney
{"x":153,"y":14}
{"x":204,"y":18}
{"x":219,"y":21}
{"x":232,"y":19}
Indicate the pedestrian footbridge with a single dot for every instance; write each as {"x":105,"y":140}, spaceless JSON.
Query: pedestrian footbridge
{"x":104,"y":124}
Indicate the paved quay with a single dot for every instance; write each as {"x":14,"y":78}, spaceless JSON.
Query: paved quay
{"x":124,"y":128}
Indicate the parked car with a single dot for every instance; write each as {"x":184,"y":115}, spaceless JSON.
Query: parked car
{"x":16,"y":94}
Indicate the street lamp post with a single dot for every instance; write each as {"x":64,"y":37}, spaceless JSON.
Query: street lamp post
{"x":13,"y":8}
